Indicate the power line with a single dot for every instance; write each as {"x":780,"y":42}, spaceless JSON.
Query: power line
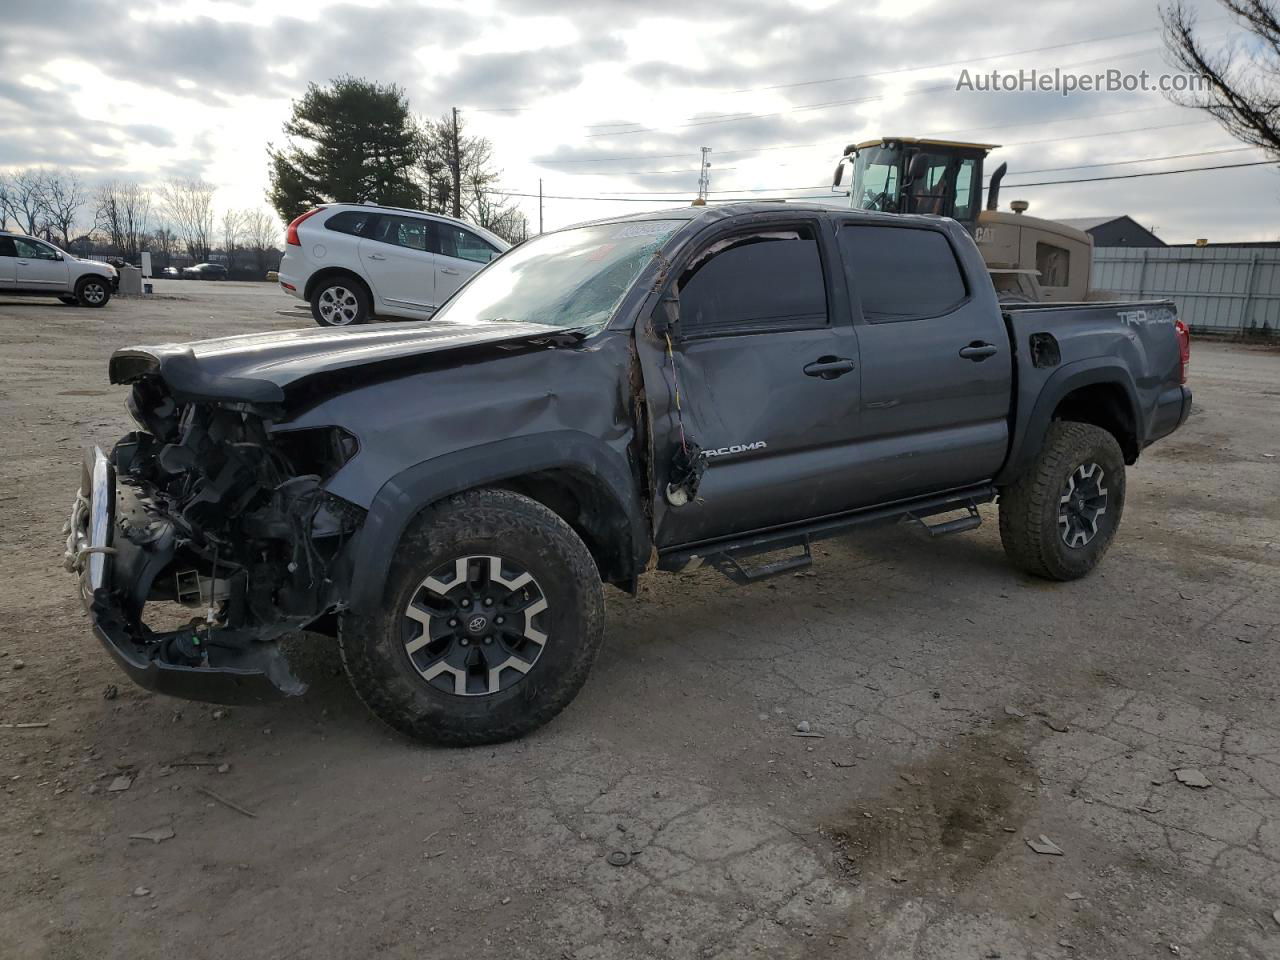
{"x":1120,"y":163}
{"x":1135,"y":176}
{"x":826,"y":105}
{"x":663,"y":196}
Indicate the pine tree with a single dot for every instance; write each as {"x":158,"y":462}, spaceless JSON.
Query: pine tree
{"x":350,"y":141}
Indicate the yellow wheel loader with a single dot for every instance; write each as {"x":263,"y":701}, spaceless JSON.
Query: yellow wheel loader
{"x":1029,"y":259}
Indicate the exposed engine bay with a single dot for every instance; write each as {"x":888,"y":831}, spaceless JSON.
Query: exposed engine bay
{"x":222,"y":515}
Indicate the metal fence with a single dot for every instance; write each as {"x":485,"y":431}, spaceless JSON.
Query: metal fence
{"x":1228,"y":289}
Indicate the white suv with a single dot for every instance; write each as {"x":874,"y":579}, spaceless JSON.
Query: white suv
{"x":31,"y":267}
{"x":353,"y":260}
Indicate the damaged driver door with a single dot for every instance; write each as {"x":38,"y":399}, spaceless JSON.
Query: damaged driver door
{"x":761,"y":378}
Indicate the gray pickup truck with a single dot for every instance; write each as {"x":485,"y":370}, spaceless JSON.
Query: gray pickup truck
{"x":715,"y":385}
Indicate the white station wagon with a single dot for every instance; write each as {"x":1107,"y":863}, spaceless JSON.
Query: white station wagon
{"x":352,"y":261}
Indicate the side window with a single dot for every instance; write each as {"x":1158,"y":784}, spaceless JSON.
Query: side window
{"x":770,"y":280}
{"x":7,"y":248}
{"x":901,"y":273}
{"x":354,"y":222}
{"x":463,"y":244}
{"x":403,"y":232}
{"x":1054,"y":264}
{"x":30,"y":250}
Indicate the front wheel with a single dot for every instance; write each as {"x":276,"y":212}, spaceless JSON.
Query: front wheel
{"x":1060,"y":516}
{"x":491,"y":619}
{"x":339,"y":303}
{"x":92,"y":292}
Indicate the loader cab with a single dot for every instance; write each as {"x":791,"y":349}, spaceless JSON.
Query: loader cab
{"x":907,"y":175}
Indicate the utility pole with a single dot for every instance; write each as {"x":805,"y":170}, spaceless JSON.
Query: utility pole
{"x":539,"y":206}
{"x":704,"y":176}
{"x":457,"y":168}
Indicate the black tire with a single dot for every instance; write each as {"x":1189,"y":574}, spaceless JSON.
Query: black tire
{"x":1035,"y":523}
{"x":70,"y":301}
{"x":93,"y":292}
{"x":477,"y":524}
{"x":340,"y":301}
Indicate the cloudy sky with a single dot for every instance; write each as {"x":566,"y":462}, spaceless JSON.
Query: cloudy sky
{"x":613,"y":99}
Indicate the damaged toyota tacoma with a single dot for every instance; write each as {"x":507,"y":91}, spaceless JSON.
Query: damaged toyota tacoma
{"x":717,"y":386}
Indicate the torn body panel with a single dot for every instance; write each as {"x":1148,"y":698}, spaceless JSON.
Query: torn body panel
{"x":259,"y":485}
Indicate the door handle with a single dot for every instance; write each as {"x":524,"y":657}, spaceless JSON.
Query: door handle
{"x":828,"y":368}
{"x":24,"y":263}
{"x":451,"y":272}
{"x":376,"y":256}
{"x":978,"y":351}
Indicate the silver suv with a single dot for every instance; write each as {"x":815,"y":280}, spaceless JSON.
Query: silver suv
{"x":351,"y":261}
{"x":31,"y":267}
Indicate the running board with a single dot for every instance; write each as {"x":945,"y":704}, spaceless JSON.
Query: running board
{"x":724,"y":555}
{"x":960,"y":524}
{"x":727,"y":563}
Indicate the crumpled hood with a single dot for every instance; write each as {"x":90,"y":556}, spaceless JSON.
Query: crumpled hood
{"x":259,"y":367}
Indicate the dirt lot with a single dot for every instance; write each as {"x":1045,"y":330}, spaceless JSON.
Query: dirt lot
{"x":963,"y":707}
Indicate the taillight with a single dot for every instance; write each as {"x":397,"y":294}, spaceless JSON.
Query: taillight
{"x":1184,"y":349}
{"x":291,"y":234}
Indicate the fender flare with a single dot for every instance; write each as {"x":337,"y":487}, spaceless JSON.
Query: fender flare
{"x":405,"y":495}
{"x":1029,"y":431}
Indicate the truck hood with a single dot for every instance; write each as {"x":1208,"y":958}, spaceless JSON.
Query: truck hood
{"x":260,"y":368}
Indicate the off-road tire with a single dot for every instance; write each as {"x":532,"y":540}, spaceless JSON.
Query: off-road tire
{"x":480,"y":522}
{"x":1029,"y":525}
{"x":351,"y":286}
{"x":92,"y":292}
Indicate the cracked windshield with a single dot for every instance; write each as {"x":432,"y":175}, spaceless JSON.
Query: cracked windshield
{"x":573,"y":278}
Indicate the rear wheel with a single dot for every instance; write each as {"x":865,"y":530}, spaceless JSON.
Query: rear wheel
{"x":92,"y":292}
{"x":69,"y":301}
{"x":339,"y":302}
{"x":1061,"y":515}
{"x":492,"y":617}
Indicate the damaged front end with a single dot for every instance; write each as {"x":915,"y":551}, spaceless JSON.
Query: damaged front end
{"x":207,"y":536}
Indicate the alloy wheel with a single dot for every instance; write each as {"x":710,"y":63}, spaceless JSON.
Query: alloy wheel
{"x":94,"y":293}
{"x":474,"y":627}
{"x":1082,"y":504}
{"x":338,"y":306}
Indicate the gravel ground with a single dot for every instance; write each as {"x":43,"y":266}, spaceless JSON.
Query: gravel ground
{"x":963,"y":708}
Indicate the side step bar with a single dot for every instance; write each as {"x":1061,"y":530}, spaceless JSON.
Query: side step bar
{"x":724,"y":555}
{"x":727,"y":563}
{"x":958,"y":525}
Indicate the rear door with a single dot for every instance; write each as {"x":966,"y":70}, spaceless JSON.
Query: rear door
{"x":39,"y":266}
{"x":936,"y":363}
{"x":766,"y":367}
{"x":396,"y":256}
{"x":8,"y":262}
{"x":460,"y":254}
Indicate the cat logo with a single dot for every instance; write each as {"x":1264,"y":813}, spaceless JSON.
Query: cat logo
{"x":735,"y":448}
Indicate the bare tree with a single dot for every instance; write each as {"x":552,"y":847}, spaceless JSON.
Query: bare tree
{"x":24,"y":199}
{"x":123,"y":208}
{"x":1243,"y":87}
{"x":162,"y":243}
{"x":506,"y":219}
{"x":62,"y":195}
{"x":188,"y":203}
{"x":232,"y":229}
{"x":262,"y":233}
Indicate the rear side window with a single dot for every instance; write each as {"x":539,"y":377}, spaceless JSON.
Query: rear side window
{"x":900,"y":273}
{"x":403,"y":232}
{"x":354,"y":222}
{"x":463,"y":244}
{"x":767,"y":280}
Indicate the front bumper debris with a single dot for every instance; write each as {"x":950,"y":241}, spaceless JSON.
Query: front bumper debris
{"x":116,"y":550}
